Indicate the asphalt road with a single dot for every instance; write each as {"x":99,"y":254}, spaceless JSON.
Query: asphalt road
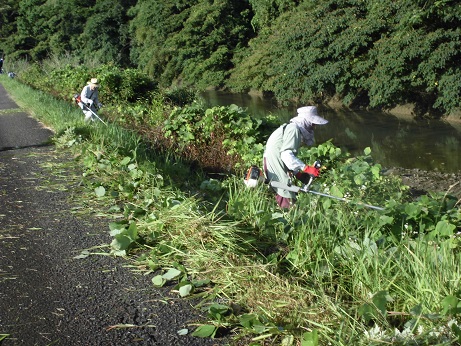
{"x":48,"y":297}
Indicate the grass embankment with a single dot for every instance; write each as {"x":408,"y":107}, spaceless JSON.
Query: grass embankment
{"x":325,"y":272}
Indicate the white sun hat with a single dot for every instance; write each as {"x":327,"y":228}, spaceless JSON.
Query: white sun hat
{"x":93,"y":81}
{"x":311,"y":114}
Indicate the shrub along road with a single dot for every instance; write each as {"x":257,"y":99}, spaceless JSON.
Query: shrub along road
{"x":48,"y":297}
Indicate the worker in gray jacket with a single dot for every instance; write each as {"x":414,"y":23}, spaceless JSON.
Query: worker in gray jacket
{"x":280,"y":161}
{"x":89,"y":99}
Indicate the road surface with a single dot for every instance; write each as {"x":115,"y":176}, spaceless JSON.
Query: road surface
{"x":48,"y":297}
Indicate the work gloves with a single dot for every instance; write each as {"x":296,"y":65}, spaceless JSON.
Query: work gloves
{"x":309,"y":172}
{"x":91,"y":102}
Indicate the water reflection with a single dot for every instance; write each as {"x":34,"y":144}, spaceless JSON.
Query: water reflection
{"x":424,"y":144}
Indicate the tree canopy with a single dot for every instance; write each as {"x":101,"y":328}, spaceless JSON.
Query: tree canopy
{"x":372,"y":53}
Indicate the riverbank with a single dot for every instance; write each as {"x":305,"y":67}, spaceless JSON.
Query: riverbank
{"x":422,"y":182}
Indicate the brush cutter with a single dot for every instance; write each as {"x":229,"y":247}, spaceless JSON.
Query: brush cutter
{"x":306,"y":189}
{"x":78,"y":100}
{"x":88,"y":108}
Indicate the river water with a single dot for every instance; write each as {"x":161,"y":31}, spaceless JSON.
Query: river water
{"x":394,"y":141}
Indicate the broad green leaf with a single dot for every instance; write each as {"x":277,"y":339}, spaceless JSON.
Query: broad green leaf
{"x":185,"y":290}
{"x":457,"y":331}
{"x":132,"y":231}
{"x":247,"y":320}
{"x":367,"y":312}
{"x":218,"y":309}
{"x":288,"y":340}
{"x":444,"y":228}
{"x":152,"y":265}
{"x":118,"y":225}
{"x":412,"y":210}
{"x":126,"y":160}
{"x":334,"y":191}
{"x":100,"y":191}
{"x":205,"y":331}
{"x":158,"y":281}
{"x":359,"y":179}
{"x":121,"y":242}
{"x":417,"y":310}
{"x":200,"y":283}
{"x":385,"y":220}
{"x":367,"y":151}
{"x":380,"y":300}
{"x":114,"y":232}
{"x":375,"y":171}
{"x":171,"y":274}
{"x":450,"y":304}
{"x":310,"y":338}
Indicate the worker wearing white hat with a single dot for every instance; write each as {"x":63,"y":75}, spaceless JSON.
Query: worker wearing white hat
{"x":280,"y":160}
{"x":90,"y":99}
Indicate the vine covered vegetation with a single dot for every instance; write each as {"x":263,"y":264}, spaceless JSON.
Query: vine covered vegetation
{"x":169,"y":172}
{"x":372,"y":53}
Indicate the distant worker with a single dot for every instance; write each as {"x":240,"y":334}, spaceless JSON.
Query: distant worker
{"x":1,"y":65}
{"x":280,"y":161}
{"x":89,"y":99}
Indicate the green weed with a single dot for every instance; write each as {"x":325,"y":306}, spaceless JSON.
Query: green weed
{"x":324,"y":272}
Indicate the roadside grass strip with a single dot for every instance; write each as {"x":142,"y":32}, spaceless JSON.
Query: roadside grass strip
{"x":322,"y":273}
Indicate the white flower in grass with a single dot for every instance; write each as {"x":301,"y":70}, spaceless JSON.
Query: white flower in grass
{"x":452,"y":322}
{"x":434,"y":334}
{"x":404,"y":334}
{"x":420,"y":329}
{"x":375,"y":333}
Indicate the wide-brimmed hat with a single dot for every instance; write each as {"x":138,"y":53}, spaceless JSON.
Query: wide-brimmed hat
{"x":93,"y":81}
{"x":311,"y":115}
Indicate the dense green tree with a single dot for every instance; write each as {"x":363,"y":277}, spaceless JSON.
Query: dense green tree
{"x":153,"y":22}
{"x":66,"y":20}
{"x":85,"y":28}
{"x":31,"y":34}
{"x":418,"y":59}
{"x":267,"y":11}
{"x":48,"y":27}
{"x":105,"y":37}
{"x":191,"y":42}
{"x":9,"y":10}
{"x":377,"y":52}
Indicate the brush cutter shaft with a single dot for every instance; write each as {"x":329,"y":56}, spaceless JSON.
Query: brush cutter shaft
{"x":305,"y":189}
{"x":88,"y":108}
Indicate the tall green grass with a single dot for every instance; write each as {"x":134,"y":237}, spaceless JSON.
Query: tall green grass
{"x":54,"y":113}
{"x":323,"y":268}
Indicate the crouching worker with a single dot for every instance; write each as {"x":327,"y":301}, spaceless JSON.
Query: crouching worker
{"x":89,"y":99}
{"x":280,"y":161}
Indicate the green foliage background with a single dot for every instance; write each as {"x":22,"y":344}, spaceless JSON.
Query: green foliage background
{"x":374,"y":53}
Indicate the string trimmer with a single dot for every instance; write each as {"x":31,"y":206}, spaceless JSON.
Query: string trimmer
{"x":78,"y":100}
{"x":305,"y":188}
